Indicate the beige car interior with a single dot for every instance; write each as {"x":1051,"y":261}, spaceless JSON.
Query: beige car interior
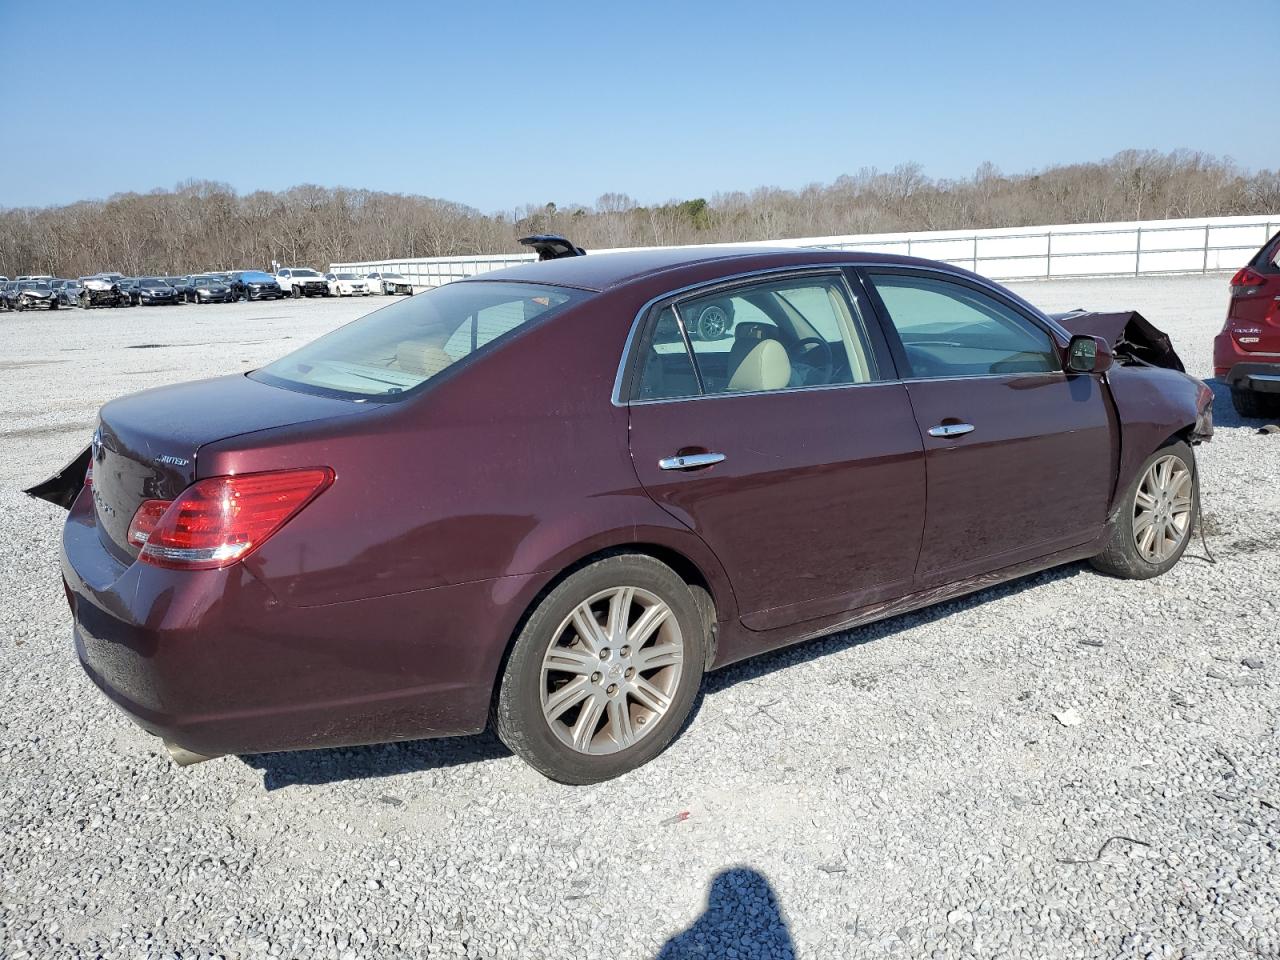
{"x":764,"y":366}
{"x":421,"y":359}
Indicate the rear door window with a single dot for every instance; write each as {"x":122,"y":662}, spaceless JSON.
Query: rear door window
{"x":779,"y":334}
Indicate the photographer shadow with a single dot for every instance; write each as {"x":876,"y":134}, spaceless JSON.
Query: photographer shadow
{"x":742,"y":915}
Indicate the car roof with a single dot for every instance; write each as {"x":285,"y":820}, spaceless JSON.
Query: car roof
{"x":604,"y":271}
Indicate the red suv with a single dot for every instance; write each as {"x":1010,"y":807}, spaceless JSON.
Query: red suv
{"x":1246,"y":354}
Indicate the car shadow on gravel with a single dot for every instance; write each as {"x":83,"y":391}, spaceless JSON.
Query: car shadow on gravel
{"x":742,"y":919}
{"x":1224,"y":413}
{"x":313,"y":767}
{"x":767,"y":663}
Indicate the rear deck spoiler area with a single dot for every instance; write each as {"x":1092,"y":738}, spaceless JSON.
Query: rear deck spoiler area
{"x":65,"y":485}
{"x":1132,"y":336}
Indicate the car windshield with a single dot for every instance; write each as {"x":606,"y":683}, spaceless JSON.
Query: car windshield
{"x":345,"y":276}
{"x":394,"y":350}
{"x":33,"y":285}
{"x":152,"y":282}
{"x":204,"y":281}
{"x":254,"y":276}
{"x":392,"y":276}
{"x":304,"y":273}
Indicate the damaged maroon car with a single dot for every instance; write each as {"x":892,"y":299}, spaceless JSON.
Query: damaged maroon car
{"x":549,"y":498}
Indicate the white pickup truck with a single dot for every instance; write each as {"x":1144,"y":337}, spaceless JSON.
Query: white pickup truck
{"x":302,"y":282}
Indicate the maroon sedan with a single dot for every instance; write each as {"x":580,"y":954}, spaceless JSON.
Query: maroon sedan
{"x":552,"y":496}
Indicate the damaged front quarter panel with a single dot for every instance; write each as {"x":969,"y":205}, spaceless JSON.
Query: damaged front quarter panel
{"x":65,"y":485}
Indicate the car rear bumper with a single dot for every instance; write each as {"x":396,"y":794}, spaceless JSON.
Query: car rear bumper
{"x":1227,"y":355}
{"x":1259,"y":377}
{"x":214,"y":662}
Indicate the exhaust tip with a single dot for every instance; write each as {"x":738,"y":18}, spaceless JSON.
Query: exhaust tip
{"x":184,"y":757}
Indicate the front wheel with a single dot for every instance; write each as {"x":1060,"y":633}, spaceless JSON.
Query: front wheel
{"x":1157,"y":516}
{"x":605,"y":671}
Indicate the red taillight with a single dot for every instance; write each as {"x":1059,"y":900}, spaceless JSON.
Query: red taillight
{"x":217,"y":521}
{"x":145,"y":519}
{"x":88,"y":474}
{"x":1247,"y":282}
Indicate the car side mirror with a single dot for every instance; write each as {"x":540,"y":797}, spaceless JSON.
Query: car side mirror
{"x":1089,"y":355}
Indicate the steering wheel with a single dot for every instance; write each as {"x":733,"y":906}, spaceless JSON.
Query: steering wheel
{"x":827,"y":367}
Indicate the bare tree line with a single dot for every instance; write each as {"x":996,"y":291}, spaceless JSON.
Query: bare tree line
{"x":203,"y":225}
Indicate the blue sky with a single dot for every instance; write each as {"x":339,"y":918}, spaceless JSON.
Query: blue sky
{"x":496,"y":104}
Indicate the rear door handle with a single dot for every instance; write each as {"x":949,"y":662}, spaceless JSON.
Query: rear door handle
{"x":951,"y":430}
{"x":690,"y":461}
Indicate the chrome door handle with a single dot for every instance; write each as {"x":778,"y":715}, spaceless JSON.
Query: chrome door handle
{"x":951,"y":430}
{"x":690,"y":461}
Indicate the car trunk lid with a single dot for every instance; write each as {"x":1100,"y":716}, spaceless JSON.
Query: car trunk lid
{"x":147,"y":445}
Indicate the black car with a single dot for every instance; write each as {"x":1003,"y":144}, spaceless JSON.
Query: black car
{"x":129,"y":287}
{"x":28,"y":295}
{"x":180,"y":284}
{"x":208,"y":290}
{"x":255,"y":285}
{"x":152,"y":291}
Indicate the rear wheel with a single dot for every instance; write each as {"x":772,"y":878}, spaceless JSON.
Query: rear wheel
{"x":1157,"y":516}
{"x":605,"y":671}
{"x":1250,"y":403}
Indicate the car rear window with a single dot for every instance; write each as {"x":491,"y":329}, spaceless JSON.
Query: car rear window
{"x":392,"y":351}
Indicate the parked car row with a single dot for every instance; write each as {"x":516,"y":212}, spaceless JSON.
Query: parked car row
{"x":117,"y":290}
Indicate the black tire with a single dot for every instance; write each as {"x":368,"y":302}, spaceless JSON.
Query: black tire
{"x":1250,"y":403}
{"x":517,"y":710}
{"x":1122,"y":558}
{"x":53,"y":304}
{"x":297,"y":294}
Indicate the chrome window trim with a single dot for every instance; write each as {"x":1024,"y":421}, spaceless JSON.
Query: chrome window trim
{"x":803,"y":269}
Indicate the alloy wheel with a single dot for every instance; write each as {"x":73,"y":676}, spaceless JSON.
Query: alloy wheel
{"x":1162,"y":509}
{"x":612,"y":670}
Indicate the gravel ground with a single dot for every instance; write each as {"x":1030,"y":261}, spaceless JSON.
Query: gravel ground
{"x":914,"y":796}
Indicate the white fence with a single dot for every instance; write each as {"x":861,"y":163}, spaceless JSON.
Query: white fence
{"x":1010,"y":253}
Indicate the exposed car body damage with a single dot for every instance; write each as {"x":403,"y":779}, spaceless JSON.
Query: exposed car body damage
{"x":1131,"y":335}
{"x":63,"y":487}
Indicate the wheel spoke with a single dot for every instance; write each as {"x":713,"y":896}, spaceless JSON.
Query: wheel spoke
{"x":619,"y":614}
{"x":644,"y":628}
{"x":575,"y":660}
{"x":1146,"y":541}
{"x":1141,"y":523}
{"x":620,"y":727}
{"x":659,"y":655}
{"x":648,"y":695}
{"x":1181,"y":482}
{"x":566,"y":697}
{"x":588,"y":630}
{"x":584,"y":729}
{"x":1145,"y":500}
